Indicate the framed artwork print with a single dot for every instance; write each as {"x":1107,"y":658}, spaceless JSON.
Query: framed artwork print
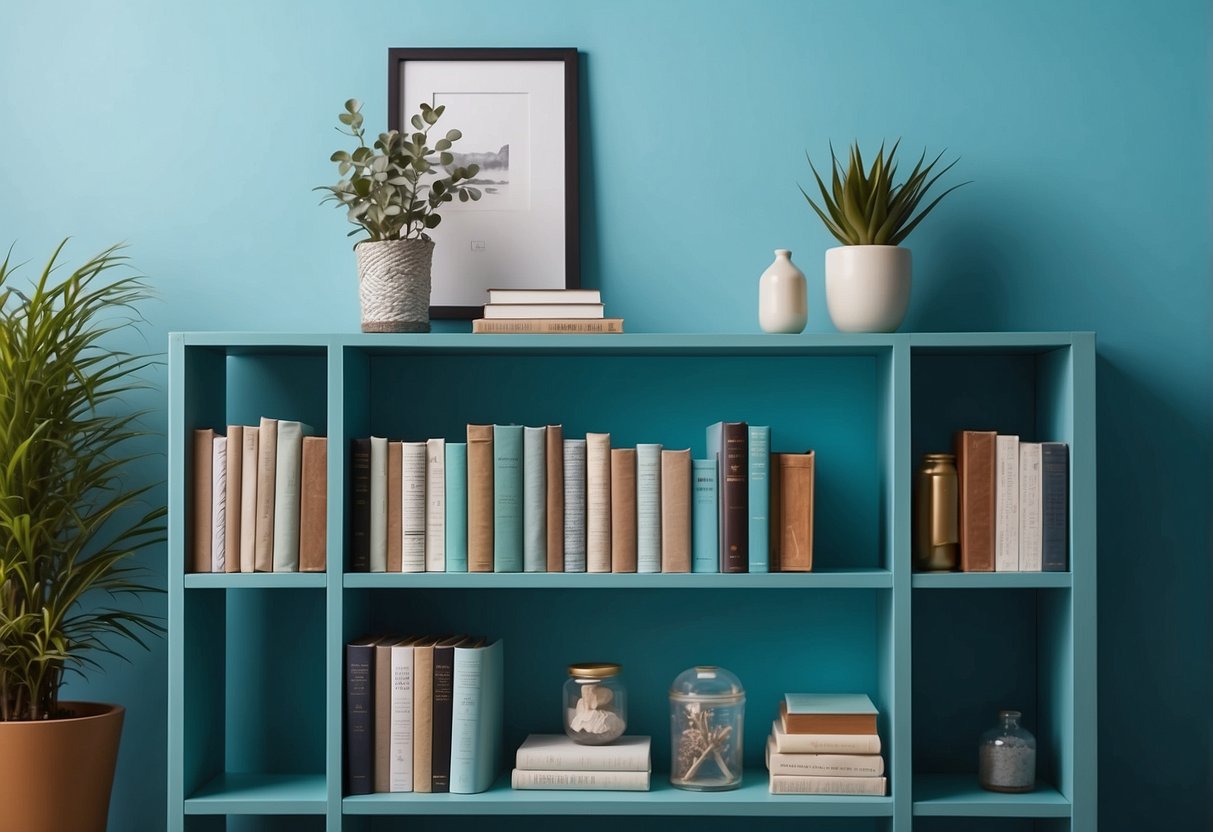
{"x":517,"y":110}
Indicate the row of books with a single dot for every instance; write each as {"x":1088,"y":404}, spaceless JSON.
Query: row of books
{"x":259,"y":499}
{"x":826,"y":744}
{"x":1014,"y":503}
{"x":526,"y":499}
{"x":554,"y":761}
{"x":546,"y":311}
{"x":423,"y":714}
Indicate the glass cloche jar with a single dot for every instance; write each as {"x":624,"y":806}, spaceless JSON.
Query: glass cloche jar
{"x":595,"y":703}
{"x":707,"y":718}
{"x":1006,"y":756}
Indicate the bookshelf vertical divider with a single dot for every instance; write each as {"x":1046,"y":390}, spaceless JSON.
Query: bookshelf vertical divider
{"x":256,"y":680}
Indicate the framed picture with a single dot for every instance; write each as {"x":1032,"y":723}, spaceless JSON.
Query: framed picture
{"x":517,"y":110}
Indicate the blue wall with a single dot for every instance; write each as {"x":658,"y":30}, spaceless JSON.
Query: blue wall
{"x":195,"y":131}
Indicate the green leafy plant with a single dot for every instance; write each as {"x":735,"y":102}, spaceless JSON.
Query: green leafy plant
{"x":69,"y":521}
{"x":394,"y":189}
{"x":867,"y":208}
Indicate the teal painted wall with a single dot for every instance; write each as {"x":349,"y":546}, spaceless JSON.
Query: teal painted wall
{"x":195,"y":131}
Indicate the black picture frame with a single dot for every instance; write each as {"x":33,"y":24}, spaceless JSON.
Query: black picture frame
{"x":398,"y":59}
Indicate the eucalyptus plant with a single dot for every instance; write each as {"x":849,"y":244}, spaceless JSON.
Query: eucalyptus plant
{"x":393,"y":190}
{"x":70,"y":521}
{"x":866,"y":207}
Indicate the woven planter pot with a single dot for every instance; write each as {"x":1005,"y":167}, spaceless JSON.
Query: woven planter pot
{"x":394,"y":285}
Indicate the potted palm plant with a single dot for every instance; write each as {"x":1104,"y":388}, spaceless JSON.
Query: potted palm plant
{"x":392,"y":191}
{"x":69,"y":525}
{"x":870,"y":214}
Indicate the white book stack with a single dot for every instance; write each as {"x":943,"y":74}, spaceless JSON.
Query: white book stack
{"x":801,"y":762}
{"x":554,"y":761}
{"x":545,"y":311}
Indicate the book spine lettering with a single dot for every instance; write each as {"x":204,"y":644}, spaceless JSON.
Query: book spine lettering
{"x":704,"y":549}
{"x":648,"y":507}
{"x":360,"y":505}
{"x":480,"y":498}
{"x":435,"y":505}
{"x":574,"y":505}
{"x":622,"y":781}
{"x":734,"y":479}
{"x":456,"y":507}
{"x":534,"y":500}
{"x":476,"y":718}
{"x":539,"y":326}
{"x":758,"y":495}
{"x":400,"y":774}
{"x":1054,"y":506}
{"x":359,"y":701}
{"x":794,"y":784}
{"x":443,"y":687}
{"x":412,"y":507}
{"x":598,"y":502}
{"x":507,"y":498}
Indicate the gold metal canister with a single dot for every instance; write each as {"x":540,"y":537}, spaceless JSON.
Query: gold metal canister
{"x":936,"y":499}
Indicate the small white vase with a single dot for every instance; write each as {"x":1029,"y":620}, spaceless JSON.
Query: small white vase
{"x":783,"y":304}
{"x":867,"y":287}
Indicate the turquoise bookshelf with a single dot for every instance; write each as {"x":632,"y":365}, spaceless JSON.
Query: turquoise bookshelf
{"x":256,"y":661}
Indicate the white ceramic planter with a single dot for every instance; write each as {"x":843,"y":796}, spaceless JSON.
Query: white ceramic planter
{"x":867,"y":287}
{"x":783,"y":304}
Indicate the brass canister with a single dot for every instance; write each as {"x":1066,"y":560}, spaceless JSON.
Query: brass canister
{"x":936,"y":505}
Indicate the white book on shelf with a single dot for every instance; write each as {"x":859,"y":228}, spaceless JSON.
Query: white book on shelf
{"x":412,"y":507}
{"x":607,"y":781}
{"x":810,"y":784}
{"x":545,"y":296}
{"x":1006,"y":504}
{"x":288,"y":464}
{"x":1030,"y":531}
{"x":544,"y":311}
{"x":598,"y":502}
{"x":435,"y":505}
{"x":378,"y":503}
{"x":648,"y":508}
{"x":218,"y":503}
{"x":574,"y":505}
{"x":558,"y":752}
{"x":534,"y":500}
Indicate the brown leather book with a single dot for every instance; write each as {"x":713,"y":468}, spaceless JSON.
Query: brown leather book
{"x":795,"y":512}
{"x":395,"y":528}
{"x":598,"y":502}
{"x":976,"y":473}
{"x":200,"y":557}
{"x":267,"y":462}
{"x":623,"y":509}
{"x":826,"y":723}
{"x":313,"y":504}
{"x":555,"y":503}
{"x":231,"y":534}
{"x":480,"y":507}
{"x":676,"y":511}
{"x":734,"y":519}
{"x":423,"y":714}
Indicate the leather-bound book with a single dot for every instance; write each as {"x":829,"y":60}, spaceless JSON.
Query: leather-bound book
{"x":480,"y":499}
{"x":728,"y":442}
{"x":676,"y":511}
{"x":794,"y":516}
{"x":976,"y":473}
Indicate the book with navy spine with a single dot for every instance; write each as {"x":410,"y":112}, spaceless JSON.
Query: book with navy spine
{"x":1054,"y":506}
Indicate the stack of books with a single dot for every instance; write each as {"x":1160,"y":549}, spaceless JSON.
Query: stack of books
{"x":259,"y":499}
{"x":826,"y":744}
{"x":546,"y":311}
{"x":554,"y":761}
{"x":423,"y":714}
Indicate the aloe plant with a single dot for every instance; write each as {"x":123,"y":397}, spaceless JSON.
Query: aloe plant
{"x":867,"y":208}
{"x":69,"y":520}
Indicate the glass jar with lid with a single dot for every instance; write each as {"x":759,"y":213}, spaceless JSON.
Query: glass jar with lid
{"x":707,"y":718}
{"x":1006,"y":756}
{"x":595,"y":703}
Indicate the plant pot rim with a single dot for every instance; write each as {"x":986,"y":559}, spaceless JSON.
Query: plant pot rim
{"x":413,"y":240}
{"x":869,"y":245}
{"x":83,"y":711}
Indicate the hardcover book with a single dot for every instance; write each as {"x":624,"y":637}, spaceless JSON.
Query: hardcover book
{"x":547,"y":326}
{"x":203,"y":528}
{"x":218,"y":513}
{"x":558,"y":752}
{"x":248,"y":500}
{"x":507,"y":498}
{"x":313,"y":505}
{"x":758,"y":495}
{"x":554,"y":455}
{"x":412,"y":507}
{"x":234,"y":481}
{"x":705,"y":553}
{"x":382,"y":720}
{"x":623,"y":509}
{"x":1030,"y":540}
{"x":728,"y":443}
{"x":435,"y":505}
{"x":288,"y":467}
{"x":828,"y":713}
{"x":787,"y":743}
{"x":1054,"y":506}
{"x":574,"y":505}
{"x":976,"y":481}
{"x":476,"y":717}
{"x":543,"y":311}
{"x":648,"y":507}
{"x":480,"y":498}
{"x":534,"y":500}
{"x":443,"y":692}
{"x":822,"y":765}
{"x":611,"y":781}
{"x":795,"y":514}
{"x":423,"y":714}
{"x":676,"y":511}
{"x":379,"y":466}
{"x":267,"y":464}
{"x":598,"y":502}
{"x":359,"y":715}
{"x":792,"y":784}
{"x":400,"y":765}
{"x":456,"y":507}
{"x":545,"y":296}
{"x":1006,"y":501}
{"x":395,"y":504}
{"x":360,"y":504}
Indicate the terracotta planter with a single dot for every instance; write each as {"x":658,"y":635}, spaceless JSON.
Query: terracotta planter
{"x":56,"y":775}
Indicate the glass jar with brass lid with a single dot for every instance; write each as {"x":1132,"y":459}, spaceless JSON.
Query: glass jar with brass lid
{"x":595,"y":703}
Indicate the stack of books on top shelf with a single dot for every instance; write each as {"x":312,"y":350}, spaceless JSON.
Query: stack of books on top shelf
{"x":826,"y":744}
{"x":1014,"y":503}
{"x":259,"y":499}
{"x":550,"y":761}
{"x":423,"y":714}
{"x":546,"y":311}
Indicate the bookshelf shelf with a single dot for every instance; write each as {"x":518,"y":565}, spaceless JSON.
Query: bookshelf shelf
{"x":958,"y":795}
{"x":260,"y":794}
{"x":256,"y":677}
{"x":752,"y":799}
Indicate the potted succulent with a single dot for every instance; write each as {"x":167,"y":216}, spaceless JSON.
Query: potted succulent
{"x":392,"y":191}
{"x":868,"y":276}
{"x":69,"y":524}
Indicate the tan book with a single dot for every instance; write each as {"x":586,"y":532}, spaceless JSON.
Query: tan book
{"x":598,"y":502}
{"x":554,"y":454}
{"x":480,"y":499}
{"x":795,"y":515}
{"x":395,"y":527}
{"x":547,"y":326}
{"x":423,"y":714}
{"x":975,"y":476}
{"x":313,"y":505}
{"x":267,"y":462}
{"x":200,"y":556}
{"x":382,"y":720}
{"x":248,"y":499}
{"x":623,"y":509}
{"x":676,"y":511}
{"x":234,"y":480}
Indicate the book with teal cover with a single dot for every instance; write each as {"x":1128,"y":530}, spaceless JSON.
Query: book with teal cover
{"x":648,"y":508}
{"x":456,"y":507}
{"x":534,"y":500}
{"x":760,"y":496}
{"x":476,"y":717}
{"x":507,"y":498}
{"x":829,"y":703}
{"x":705,"y":551}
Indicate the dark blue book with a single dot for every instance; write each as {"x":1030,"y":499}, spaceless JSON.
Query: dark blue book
{"x":360,"y":716}
{"x":1055,"y":506}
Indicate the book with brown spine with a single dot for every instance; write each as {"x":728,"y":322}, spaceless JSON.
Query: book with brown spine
{"x":547,"y":326}
{"x":200,"y":555}
{"x":976,"y":481}
{"x":554,"y":456}
{"x":248,"y":499}
{"x":828,"y":713}
{"x":381,"y":721}
{"x":480,"y":498}
{"x":676,"y":511}
{"x":623,"y":509}
{"x":235,"y":470}
{"x":795,"y":511}
{"x":313,"y":504}
{"x":395,"y":529}
{"x":728,"y":443}
{"x":423,"y":714}
{"x":267,"y":463}
{"x":598,"y":502}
